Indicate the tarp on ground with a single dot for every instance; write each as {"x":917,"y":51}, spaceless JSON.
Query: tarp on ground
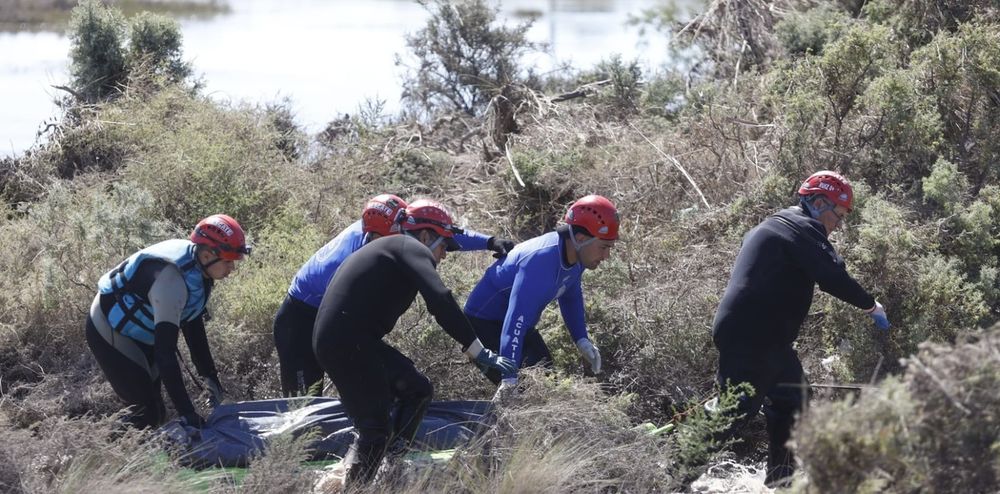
{"x":237,"y":432}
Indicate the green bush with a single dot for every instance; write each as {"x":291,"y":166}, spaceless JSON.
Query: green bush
{"x":109,"y":54}
{"x":199,"y":159}
{"x":663,"y":95}
{"x":546,"y":193}
{"x":973,"y":234}
{"x":959,"y":72}
{"x":625,"y":78}
{"x":71,"y":238}
{"x":917,"y":21}
{"x":463,"y":58}
{"x":946,"y":187}
{"x":899,"y":129}
{"x":933,"y":429}
{"x":809,"y":32}
{"x":155,"y":42}
{"x":98,"y":64}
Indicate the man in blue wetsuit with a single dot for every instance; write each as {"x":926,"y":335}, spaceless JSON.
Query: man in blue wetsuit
{"x":145,"y":302}
{"x":300,"y":373}
{"x":509,"y":299}
{"x":767,"y":300}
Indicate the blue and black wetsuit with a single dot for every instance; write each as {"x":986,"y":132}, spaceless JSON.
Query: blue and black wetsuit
{"x":294,"y":321}
{"x":506,"y":304}
{"x":134,"y":321}
{"x":768,"y":297}
{"x":372,"y":289}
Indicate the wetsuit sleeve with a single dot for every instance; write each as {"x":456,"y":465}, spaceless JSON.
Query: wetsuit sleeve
{"x":197,"y":342}
{"x":165,"y":351}
{"x":167,"y":296}
{"x":527,"y":301}
{"x":418,"y":263}
{"x":472,"y":240}
{"x":817,"y":257}
{"x":571,"y":307}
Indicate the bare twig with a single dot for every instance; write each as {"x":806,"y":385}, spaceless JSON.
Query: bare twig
{"x":676,"y":164}
{"x":510,"y":159}
{"x":69,"y":90}
{"x":581,"y":91}
{"x":944,"y":388}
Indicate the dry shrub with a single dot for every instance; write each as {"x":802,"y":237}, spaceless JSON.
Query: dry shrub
{"x":562,"y":435}
{"x":74,"y":390}
{"x":279,"y":469}
{"x":934,"y":429}
{"x":85,"y":455}
{"x":50,"y":260}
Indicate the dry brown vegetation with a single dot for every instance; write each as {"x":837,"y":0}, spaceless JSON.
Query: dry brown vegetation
{"x":691,"y":159}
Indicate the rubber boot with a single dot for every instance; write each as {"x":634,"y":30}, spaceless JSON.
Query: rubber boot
{"x":780,"y":466}
{"x":365,"y":458}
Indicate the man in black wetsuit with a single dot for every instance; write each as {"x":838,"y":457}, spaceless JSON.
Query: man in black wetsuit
{"x":145,"y":302}
{"x":767,"y":300}
{"x":371,"y":290}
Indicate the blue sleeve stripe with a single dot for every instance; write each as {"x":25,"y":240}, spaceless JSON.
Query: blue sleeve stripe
{"x":472,"y":240}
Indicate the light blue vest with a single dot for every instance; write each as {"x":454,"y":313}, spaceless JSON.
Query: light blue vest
{"x":132,"y":315}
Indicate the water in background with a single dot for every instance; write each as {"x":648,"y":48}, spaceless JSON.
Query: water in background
{"x":326,"y":56}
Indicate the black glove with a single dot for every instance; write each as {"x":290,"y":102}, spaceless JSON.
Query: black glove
{"x":500,"y":246}
{"x":486,"y":360}
{"x":192,"y":420}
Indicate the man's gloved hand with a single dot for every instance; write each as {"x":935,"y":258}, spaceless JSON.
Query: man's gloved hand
{"x":500,"y":246}
{"x":505,"y":390}
{"x":590,"y":352}
{"x":487,"y":360}
{"x":192,"y":420}
{"x":877,"y":313}
{"x":215,"y":392}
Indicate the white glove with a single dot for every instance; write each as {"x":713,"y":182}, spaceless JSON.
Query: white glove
{"x":589,"y":352}
{"x":505,"y":390}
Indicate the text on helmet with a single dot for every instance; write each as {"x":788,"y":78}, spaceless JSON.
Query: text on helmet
{"x":221,"y":225}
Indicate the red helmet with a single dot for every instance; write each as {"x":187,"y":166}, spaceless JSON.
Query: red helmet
{"x":382,"y":214}
{"x":597,"y":215}
{"x":831,"y":185}
{"x":424,"y":213}
{"x":223,"y":235}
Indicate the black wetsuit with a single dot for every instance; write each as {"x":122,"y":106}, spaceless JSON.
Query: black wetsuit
{"x":370,"y":291}
{"x":139,"y":385}
{"x":766,"y":302}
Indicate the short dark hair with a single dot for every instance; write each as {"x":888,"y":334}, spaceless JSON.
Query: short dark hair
{"x":574,"y":229}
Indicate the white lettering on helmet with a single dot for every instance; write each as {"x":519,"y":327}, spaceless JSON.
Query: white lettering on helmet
{"x":826,"y":186}
{"x":382,"y":208}
{"x":223,"y":226}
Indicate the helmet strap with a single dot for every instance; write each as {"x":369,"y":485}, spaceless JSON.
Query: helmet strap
{"x":204,"y":267}
{"x":578,"y":246}
{"x":434,"y":244}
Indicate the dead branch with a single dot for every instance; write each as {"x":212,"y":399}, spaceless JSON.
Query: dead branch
{"x":582,"y":91}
